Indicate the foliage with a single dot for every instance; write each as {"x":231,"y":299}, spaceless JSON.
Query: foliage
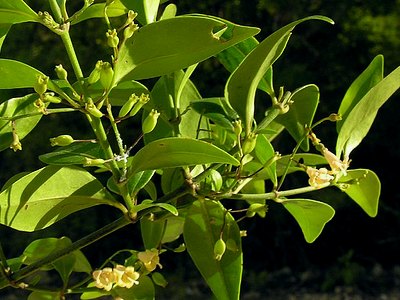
{"x":198,"y":167}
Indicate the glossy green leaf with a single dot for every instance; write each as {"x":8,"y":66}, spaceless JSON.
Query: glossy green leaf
{"x":115,"y":9}
{"x":152,"y":51}
{"x":48,"y":195}
{"x":173,"y":229}
{"x":178,"y":152}
{"x":16,"y":11}
{"x":311,"y":215}
{"x":143,"y":291}
{"x":301,"y":113}
{"x":164,"y":97}
{"x":146,"y":204}
{"x":146,"y":10}
{"x":364,"y":187}
{"x":16,"y":74}
{"x":134,"y":184}
{"x":4,"y":28}
{"x":234,"y":55}
{"x":74,"y":154}
{"x":152,"y":232}
{"x":169,"y":12}
{"x":360,"y":119}
{"x":357,"y":90}
{"x":241,"y":86}
{"x":12,"y":109}
{"x":204,"y":222}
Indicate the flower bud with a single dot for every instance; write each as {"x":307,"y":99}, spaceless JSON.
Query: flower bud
{"x":150,"y":122}
{"x":89,"y":162}
{"x":112,"y":38}
{"x":138,"y":105}
{"x":237,"y":127}
{"x":106,"y":75}
{"x":61,"y":140}
{"x":49,"y":97}
{"x":15,"y":144}
{"x":40,"y":86}
{"x":219,"y":249}
{"x":130,"y":30}
{"x":249,"y":143}
{"x":61,"y":72}
{"x":126,"y":108}
{"x":95,"y":74}
{"x":92,"y":109}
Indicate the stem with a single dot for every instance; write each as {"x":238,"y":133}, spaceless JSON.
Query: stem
{"x":56,"y":11}
{"x":85,"y":241}
{"x":69,"y":47}
{"x":48,"y":112}
{"x":272,"y":195}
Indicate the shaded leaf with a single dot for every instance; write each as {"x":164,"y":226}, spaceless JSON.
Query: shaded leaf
{"x":146,"y":10}
{"x":152,"y":232}
{"x":16,"y":11}
{"x":311,"y":215}
{"x":4,"y":28}
{"x":204,"y":222}
{"x":115,"y":9}
{"x":143,"y":291}
{"x":264,"y":152}
{"x":74,"y":154}
{"x":364,"y":187}
{"x":48,"y":195}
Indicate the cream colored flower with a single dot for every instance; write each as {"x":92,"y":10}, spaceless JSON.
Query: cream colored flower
{"x":318,"y":177}
{"x":104,"y":279}
{"x":126,"y":276}
{"x":335,"y":163}
{"x":150,"y":259}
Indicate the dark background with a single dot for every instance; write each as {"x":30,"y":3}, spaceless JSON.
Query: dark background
{"x":355,"y":254}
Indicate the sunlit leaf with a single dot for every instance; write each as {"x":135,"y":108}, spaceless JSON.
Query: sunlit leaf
{"x":360,"y":118}
{"x":203,"y":225}
{"x":152,"y":232}
{"x":16,"y":11}
{"x":152,"y":51}
{"x":364,"y":187}
{"x":311,"y":215}
{"x":115,"y":9}
{"x":4,"y":28}
{"x":74,"y":154}
{"x":241,"y":86}
{"x":143,"y":291}
{"x":146,"y":10}
{"x":178,"y":152}
{"x":48,"y":195}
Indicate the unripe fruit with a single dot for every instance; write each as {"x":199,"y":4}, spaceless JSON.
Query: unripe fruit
{"x":150,"y":122}
{"x":61,"y":140}
{"x":40,"y":86}
{"x":106,"y":75}
{"x":219,"y":249}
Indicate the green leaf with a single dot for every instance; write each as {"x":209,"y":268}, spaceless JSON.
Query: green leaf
{"x":74,"y":154}
{"x":16,"y":74}
{"x":357,"y":90}
{"x":164,"y":97}
{"x":48,"y":195}
{"x":232,"y":57}
{"x":115,"y":9}
{"x":134,"y":184}
{"x":173,"y":229}
{"x":4,"y":28}
{"x":146,"y":10}
{"x":16,"y":11}
{"x":204,"y":222}
{"x":364,"y":187}
{"x":169,"y":12}
{"x":150,"y":204}
{"x":143,"y":291}
{"x":42,"y":295}
{"x":311,"y":215}
{"x":301,"y":113}
{"x":152,"y":232}
{"x":264,"y":152}
{"x":178,"y":152}
{"x":241,"y":86}
{"x":172,"y":44}
{"x":360,"y":119}
{"x":13,"y":108}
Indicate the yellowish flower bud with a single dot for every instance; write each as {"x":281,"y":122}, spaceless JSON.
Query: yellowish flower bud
{"x":15,"y":144}
{"x":106,"y":75}
{"x":92,"y":109}
{"x":89,"y":162}
{"x":219,"y":249}
{"x":130,"y":30}
{"x":95,"y":74}
{"x":61,"y":140}
{"x":150,"y":122}
{"x":254,"y":208}
{"x":40,"y":86}
{"x":112,"y":38}
{"x":144,"y":98}
{"x":128,"y":105}
{"x":318,"y":177}
{"x":49,"y":97}
{"x":61,"y":72}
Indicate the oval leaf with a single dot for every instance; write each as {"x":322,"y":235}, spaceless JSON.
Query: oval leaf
{"x":115,"y":9}
{"x":241,"y":86}
{"x":177,"y":152}
{"x":311,"y":215}
{"x":360,"y":119}
{"x":204,"y":222}
{"x":16,"y":11}
{"x":172,"y":44}
{"x":364,"y":187}
{"x":74,"y":154}
{"x":48,"y":195}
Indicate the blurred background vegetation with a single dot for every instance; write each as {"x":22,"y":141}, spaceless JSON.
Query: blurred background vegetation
{"x":354,"y":251}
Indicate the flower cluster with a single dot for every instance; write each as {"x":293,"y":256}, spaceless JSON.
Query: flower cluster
{"x":120,"y":276}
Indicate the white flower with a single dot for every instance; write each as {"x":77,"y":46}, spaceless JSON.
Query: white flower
{"x":104,"y":279}
{"x":150,"y":259}
{"x":335,"y":163}
{"x":318,"y":177}
{"x":126,"y":276}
